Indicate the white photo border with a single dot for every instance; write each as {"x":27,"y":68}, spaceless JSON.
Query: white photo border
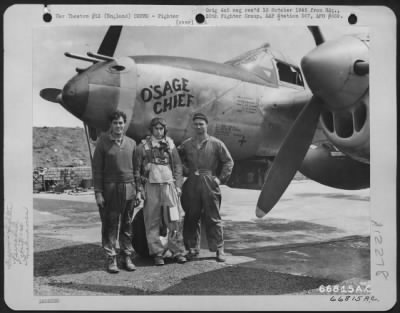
{"x":18,"y":204}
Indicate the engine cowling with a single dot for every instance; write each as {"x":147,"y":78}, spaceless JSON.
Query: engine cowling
{"x":328,"y":166}
{"x":337,"y":73}
{"x":348,"y":129}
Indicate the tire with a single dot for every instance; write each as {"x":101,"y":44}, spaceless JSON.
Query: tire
{"x":139,"y":241}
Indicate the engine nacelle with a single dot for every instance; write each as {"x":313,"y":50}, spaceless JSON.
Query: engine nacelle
{"x":337,"y":72}
{"x":330,"y":167}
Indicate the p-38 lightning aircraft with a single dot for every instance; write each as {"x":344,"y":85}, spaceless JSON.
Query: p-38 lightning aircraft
{"x":258,"y":104}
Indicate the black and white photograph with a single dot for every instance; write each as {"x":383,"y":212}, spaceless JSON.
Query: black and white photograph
{"x":204,"y":160}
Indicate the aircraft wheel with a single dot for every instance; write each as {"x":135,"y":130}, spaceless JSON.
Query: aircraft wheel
{"x":139,"y":241}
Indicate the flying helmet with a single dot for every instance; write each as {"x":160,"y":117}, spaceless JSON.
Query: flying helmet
{"x":158,"y":120}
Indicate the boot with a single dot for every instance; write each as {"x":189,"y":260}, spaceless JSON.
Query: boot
{"x":129,"y":266}
{"x":220,"y":255}
{"x":159,"y":260}
{"x":112,"y":264}
{"x":192,"y":254}
{"x":180,"y":259}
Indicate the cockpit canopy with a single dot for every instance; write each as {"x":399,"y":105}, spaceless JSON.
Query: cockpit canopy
{"x":269,"y":66}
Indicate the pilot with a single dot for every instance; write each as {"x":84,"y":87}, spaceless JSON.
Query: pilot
{"x":158,"y":172}
{"x":115,"y":190}
{"x":202,"y":156}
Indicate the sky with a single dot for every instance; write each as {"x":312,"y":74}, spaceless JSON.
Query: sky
{"x":51,"y":69}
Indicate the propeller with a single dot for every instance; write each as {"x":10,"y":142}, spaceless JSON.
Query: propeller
{"x":294,"y":148}
{"x":107,"y":48}
{"x":289,"y":157}
{"x":51,"y":94}
{"x":110,"y":41}
{"x":317,"y":34}
{"x":87,"y":129}
{"x":74,"y":94}
{"x":336,"y":73}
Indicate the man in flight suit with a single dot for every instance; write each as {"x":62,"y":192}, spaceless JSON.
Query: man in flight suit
{"x":202,"y":156}
{"x":158,"y":172}
{"x":114,"y":186}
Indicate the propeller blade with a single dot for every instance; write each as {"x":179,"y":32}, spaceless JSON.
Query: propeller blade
{"x":317,"y":34}
{"x":85,"y":126}
{"x":92,"y":133}
{"x":289,"y":157}
{"x":51,"y":94}
{"x":110,"y":41}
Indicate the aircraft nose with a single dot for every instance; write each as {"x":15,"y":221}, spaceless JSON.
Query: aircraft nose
{"x":75,"y":95}
{"x":102,"y":89}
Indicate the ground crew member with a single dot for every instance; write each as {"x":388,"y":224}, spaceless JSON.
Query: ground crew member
{"x":115,"y":190}
{"x":159,"y":176}
{"x":202,"y":156}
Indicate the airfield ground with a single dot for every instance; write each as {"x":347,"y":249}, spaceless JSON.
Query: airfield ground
{"x":314,"y":236}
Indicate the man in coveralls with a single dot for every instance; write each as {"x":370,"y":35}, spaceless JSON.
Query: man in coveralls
{"x":114,"y":186}
{"x":202,"y":156}
{"x":159,"y":179}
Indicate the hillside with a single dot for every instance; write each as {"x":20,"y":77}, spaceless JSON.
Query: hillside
{"x":63,"y":146}
{"x":60,"y":146}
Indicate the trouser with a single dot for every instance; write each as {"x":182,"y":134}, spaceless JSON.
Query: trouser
{"x":159,"y":197}
{"x":201,"y":199}
{"x":116,"y":216}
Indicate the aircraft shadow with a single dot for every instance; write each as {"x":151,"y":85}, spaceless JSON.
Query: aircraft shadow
{"x":111,"y":289}
{"x":339,"y":259}
{"x":226,"y":281}
{"x":242,"y":238}
{"x":277,"y":225}
{"x":75,"y":259}
{"x":69,"y":260}
{"x":242,"y":280}
{"x":276,"y":267}
{"x":334,"y":196}
{"x":275,"y":231}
